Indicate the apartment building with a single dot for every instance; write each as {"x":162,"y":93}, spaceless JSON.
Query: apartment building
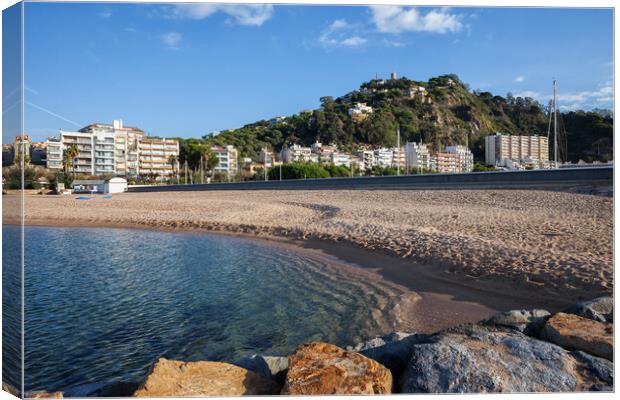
{"x":444,"y":162}
{"x":125,"y":142}
{"x":113,"y":149}
{"x":85,"y":144}
{"x":501,"y":150}
{"x":360,"y":111}
{"x":54,"y":153}
{"x":227,"y":160}
{"x":417,"y":156}
{"x":465,"y":158}
{"x":367,"y":158}
{"x":296,"y":153}
{"x":383,"y":157}
{"x":154,"y":156}
{"x":399,"y":158}
{"x":266,"y":157}
{"x":327,"y":154}
{"x":339,"y":159}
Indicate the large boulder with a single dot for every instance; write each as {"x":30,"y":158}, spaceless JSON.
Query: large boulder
{"x":600,"y":309}
{"x":482,"y":359}
{"x":322,"y":368}
{"x":203,"y":378}
{"x":271,"y":367}
{"x":529,"y":322}
{"x":392,"y":350}
{"x":577,"y":333}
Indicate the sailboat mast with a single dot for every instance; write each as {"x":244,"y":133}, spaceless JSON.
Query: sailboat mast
{"x":398,"y":150}
{"x":555,"y":126}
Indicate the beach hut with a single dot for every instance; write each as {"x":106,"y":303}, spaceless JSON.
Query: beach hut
{"x":116,"y":185}
{"x":88,"y":186}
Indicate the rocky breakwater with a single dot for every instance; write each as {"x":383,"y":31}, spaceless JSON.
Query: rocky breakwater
{"x":514,"y":351}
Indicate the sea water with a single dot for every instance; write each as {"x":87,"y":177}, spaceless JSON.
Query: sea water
{"x":102,"y":304}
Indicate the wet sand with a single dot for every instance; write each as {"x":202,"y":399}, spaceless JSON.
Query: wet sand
{"x":467,"y":253}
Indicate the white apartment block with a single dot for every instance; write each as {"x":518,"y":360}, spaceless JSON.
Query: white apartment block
{"x":367,"y":158}
{"x":417,"y":156}
{"x":227,"y":160}
{"x":113,"y":149}
{"x":360,"y":111}
{"x":383,"y":157}
{"x":465,"y":158}
{"x":54,"y":153}
{"x":266,"y":157}
{"x":339,"y":159}
{"x":503,"y":150}
{"x":399,"y":158}
{"x":296,"y":153}
{"x":445,"y":163}
{"x":85,"y":143}
{"x":155,"y":155}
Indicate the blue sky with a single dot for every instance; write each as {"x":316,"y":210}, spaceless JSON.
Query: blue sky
{"x":187,"y":70}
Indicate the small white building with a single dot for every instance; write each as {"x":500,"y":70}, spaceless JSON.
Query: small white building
{"x":115,"y":185}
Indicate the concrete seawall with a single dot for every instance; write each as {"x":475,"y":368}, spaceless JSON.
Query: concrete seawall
{"x":534,"y":179}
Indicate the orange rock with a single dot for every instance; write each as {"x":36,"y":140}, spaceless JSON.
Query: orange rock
{"x":577,"y":333}
{"x":169,"y":378}
{"x":45,"y":395}
{"x":322,"y":368}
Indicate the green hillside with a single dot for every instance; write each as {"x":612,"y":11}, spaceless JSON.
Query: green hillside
{"x":448,"y":113}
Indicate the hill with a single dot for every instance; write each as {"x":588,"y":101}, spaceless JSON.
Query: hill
{"x":441,"y":111}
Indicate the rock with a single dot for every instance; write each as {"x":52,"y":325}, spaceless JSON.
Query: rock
{"x":322,"y":368}
{"x":529,"y":322}
{"x":44,"y":395}
{"x":392,"y":350}
{"x":10,"y":389}
{"x":203,"y":378}
{"x":483,"y":359}
{"x":109,"y":389}
{"x":269,"y":366}
{"x":600,"y":309}
{"x":577,"y":333}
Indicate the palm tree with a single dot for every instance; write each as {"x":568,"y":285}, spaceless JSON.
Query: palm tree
{"x":210,"y":161}
{"x":172,"y":160}
{"x":70,"y":154}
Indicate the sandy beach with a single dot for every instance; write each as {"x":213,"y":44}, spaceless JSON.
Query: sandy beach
{"x":497,"y":249}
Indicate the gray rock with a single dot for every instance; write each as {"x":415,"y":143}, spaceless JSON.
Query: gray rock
{"x":483,"y":359}
{"x":269,"y":366}
{"x":600,"y":309}
{"x":392,"y":350}
{"x":530,"y":322}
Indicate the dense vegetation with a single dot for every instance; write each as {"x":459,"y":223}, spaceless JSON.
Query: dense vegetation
{"x":450,"y":114}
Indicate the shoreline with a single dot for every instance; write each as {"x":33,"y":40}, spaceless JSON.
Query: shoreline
{"x":445,"y":299}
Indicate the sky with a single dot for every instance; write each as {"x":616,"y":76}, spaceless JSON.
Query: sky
{"x":190,"y":69}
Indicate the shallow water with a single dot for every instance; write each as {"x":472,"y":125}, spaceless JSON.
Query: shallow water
{"x":103,"y":304}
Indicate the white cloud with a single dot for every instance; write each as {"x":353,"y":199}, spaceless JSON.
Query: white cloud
{"x":172,"y":39}
{"x":396,"y":19}
{"x":248,"y":14}
{"x":587,"y":99}
{"x":528,"y":93}
{"x":339,"y":24}
{"x":353,"y":41}
{"x":338,"y":33}
{"x":519,"y":78}
{"x":105,"y":14}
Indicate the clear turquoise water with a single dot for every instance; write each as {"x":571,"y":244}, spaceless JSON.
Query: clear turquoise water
{"x":103,"y":304}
